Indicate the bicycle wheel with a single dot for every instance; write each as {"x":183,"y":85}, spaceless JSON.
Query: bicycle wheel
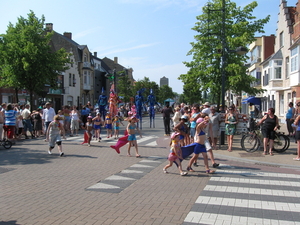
{"x":250,"y":142}
{"x":7,"y":144}
{"x":281,"y":143}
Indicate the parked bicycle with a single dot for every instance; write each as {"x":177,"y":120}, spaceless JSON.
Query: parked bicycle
{"x":6,"y":143}
{"x":253,"y":140}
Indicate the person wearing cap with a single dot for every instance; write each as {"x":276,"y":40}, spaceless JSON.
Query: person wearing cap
{"x":62,"y":121}
{"x":26,"y":114}
{"x":97,"y":120}
{"x":131,"y":127}
{"x":116,"y":123}
{"x":215,"y":121}
{"x":176,"y":117}
{"x":193,"y":120}
{"x":167,"y":111}
{"x":206,"y":108}
{"x":88,"y":129}
{"x":108,"y":124}
{"x":48,"y":115}
{"x":199,"y":146}
{"x":182,"y":128}
{"x":175,"y":154}
{"x":231,"y":120}
{"x":53,"y":135}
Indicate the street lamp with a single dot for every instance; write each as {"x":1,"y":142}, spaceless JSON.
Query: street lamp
{"x":225,"y":51}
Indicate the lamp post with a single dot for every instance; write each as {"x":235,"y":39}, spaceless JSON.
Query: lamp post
{"x":225,"y":51}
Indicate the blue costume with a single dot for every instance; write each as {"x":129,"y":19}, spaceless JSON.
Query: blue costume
{"x":102,"y":102}
{"x":151,"y":101}
{"x":139,"y":101}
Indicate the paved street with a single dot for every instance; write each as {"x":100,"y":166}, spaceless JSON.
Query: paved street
{"x":95,"y":185}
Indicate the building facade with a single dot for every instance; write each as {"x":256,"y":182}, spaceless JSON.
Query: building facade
{"x":164,"y":81}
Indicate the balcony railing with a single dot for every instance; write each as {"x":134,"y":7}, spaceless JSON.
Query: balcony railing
{"x":86,"y":65}
{"x":87,"y":87}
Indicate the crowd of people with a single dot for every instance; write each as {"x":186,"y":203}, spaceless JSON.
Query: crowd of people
{"x":192,"y":126}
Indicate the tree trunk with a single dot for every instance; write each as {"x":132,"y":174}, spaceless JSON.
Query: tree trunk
{"x":17,"y":96}
{"x":31,"y":99}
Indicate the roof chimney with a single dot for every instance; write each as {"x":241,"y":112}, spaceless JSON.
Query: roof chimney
{"x":116,"y":60}
{"x":49,"y":27}
{"x":95,"y":54}
{"x":68,"y":35}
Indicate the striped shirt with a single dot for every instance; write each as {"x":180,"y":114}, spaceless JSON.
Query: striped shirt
{"x":10,"y":117}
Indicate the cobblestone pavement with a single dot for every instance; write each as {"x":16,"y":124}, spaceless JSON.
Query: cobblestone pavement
{"x":95,"y":185}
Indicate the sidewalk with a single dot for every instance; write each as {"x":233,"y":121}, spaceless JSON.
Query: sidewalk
{"x":284,"y":159}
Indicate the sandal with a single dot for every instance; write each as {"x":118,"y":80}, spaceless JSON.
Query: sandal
{"x":209,"y":171}
{"x":190,"y":169}
{"x":138,"y":156}
{"x":271,"y":153}
{"x":264,"y":153}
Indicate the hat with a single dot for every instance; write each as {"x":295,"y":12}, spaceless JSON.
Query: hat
{"x":173,"y":135}
{"x":90,"y":117}
{"x":200,"y":120}
{"x":184,"y":117}
{"x":207,"y":104}
{"x":57,"y":117}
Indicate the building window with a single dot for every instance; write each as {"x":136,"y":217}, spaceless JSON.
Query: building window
{"x":294,"y":59}
{"x":281,"y":104}
{"x":74,"y":80}
{"x":287,"y":67}
{"x":85,"y":77}
{"x":289,"y":97}
{"x":281,"y":39}
{"x":276,"y":70}
{"x":70,"y":79}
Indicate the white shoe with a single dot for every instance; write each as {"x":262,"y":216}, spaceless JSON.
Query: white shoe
{"x":49,"y":152}
{"x":183,"y":173}
{"x":165,"y":171}
{"x":61,"y":154}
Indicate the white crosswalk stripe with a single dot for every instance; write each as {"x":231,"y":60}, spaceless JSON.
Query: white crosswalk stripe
{"x":247,"y":197}
{"x":149,"y":140}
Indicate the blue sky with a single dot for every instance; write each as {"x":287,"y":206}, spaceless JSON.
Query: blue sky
{"x":150,"y":36}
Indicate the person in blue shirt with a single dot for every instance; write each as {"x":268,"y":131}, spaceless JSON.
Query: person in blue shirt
{"x":10,"y":121}
{"x":290,"y":118}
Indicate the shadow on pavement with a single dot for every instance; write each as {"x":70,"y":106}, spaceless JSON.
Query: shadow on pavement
{"x":11,"y":222}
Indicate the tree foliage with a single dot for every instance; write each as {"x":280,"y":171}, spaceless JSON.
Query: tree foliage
{"x":205,"y":72}
{"x":26,"y":59}
{"x":165,"y":92}
{"x":124,"y":87}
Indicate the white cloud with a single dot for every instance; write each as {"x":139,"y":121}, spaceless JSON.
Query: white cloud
{"x":118,"y":50}
{"x":85,"y":33}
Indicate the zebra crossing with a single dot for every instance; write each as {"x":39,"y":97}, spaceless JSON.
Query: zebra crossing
{"x":149,"y":140}
{"x":118,"y":182}
{"x":247,"y":196}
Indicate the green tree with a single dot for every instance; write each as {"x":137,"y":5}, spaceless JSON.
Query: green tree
{"x":205,"y":72}
{"x":26,"y":59}
{"x":165,"y":92}
{"x":124,"y":87}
